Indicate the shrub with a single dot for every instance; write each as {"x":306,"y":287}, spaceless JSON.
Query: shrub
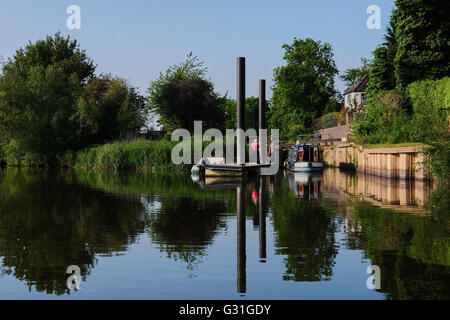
{"x":386,"y":120}
{"x":330,"y":120}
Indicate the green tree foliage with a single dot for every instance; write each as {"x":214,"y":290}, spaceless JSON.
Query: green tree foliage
{"x":182,"y":94}
{"x":422,"y":31}
{"x":430,"y":123}
{"x":411,"y":61}
{"x":51,"y":102}
{"x":109,"y":109}
{"x":385,"y":121}
{"x":185,"y":101}
{"x":39,"y":89}
{"x":381,"y":71}
{"x":251,"y":112}
{"x":351,"y":76}
{"x":427,"y":122}
{"x":304,"y":88}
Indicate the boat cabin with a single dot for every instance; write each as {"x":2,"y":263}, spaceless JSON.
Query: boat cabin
{"x":304,"y":158}
{"x":304,"y":153}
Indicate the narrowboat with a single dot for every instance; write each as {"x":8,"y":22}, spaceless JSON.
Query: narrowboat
{"x":304,"y":158}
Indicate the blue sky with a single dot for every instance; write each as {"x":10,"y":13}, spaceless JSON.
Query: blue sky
{"x":139,"y":39}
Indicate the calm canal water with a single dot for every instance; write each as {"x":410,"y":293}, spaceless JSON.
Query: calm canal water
{"x":169,"y":237}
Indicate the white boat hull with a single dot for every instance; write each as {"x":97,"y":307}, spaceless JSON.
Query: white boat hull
{"x":305,"y":167}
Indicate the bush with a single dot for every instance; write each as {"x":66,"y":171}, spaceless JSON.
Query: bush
{"x":388,"y":120}
{"x":330,"y":120}
{"x":431,"y":106}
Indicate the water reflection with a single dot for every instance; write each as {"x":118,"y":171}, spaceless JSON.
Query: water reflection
{"x":48,"y":222}
{"x":305,"y":233}
{"x":389,"y":193}
{"x":298,"y":224}
{"x":305,"y":185}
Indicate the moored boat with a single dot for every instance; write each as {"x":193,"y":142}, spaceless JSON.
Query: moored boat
{"x":304,"y":158}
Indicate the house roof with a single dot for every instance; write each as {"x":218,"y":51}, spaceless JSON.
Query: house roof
{"x":360,"y":86}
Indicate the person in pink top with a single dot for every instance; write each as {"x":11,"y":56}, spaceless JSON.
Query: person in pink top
{"x":255,"y":147}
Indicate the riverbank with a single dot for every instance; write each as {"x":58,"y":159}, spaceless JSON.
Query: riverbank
{"x":403,"y":161}
{"x":140,"y":155}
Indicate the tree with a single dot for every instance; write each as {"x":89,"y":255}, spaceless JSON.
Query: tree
{"x":351,"y":76}
{"x":381,"y":71}
{"x":422,"y":32}
{"x":183,"y":102}
{"x":304,"y":88}
{"x":39,"y":88}
{"x":187,"y":81}
{"x":251,"y":113}
{"x":51,"y":103}
{"x":109,"y":109}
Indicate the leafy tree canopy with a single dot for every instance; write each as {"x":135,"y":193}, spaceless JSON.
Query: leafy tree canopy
{"x":422,"y":32}
{"x":251,"y":112}
{"x":51,"y":102}
{"x":183,"y":102}
{"x":416,"y":47}
{"x":303,"y":88}
{"x":351,"y":76}
{"x":182,"y":94}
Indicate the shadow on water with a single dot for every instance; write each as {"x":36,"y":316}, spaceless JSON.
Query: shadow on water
{"x":52,"y":219}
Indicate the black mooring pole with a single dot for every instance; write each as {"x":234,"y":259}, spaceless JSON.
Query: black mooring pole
{"x":262,"y":121}
{"x":240,"y":112}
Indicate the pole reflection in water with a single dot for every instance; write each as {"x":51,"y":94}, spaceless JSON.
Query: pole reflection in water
{"x":262,"y":220}
{"x":241,"y":254}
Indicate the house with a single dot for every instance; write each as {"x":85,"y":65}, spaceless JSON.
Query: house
{"x":355,"y":96}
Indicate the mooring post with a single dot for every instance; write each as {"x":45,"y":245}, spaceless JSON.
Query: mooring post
{"x":240,"y":112}
{"x":262,"y":122}
{"x":241,"y":241}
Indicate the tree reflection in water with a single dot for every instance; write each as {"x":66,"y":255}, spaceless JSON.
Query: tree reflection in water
{"x":48,"y":222}
{"x":304,"y":231}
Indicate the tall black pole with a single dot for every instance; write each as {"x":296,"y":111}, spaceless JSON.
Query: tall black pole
{"x":262,"y":104}
{"x":262,"y":121}
{"x":240,"y":112}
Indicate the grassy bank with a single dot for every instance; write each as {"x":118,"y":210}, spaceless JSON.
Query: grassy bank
{"x":140,"y":155}
{"x":394,"y":145}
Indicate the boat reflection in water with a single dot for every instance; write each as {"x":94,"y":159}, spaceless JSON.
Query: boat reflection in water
{"x":211,"y":183}
{"x":305,"y":185}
